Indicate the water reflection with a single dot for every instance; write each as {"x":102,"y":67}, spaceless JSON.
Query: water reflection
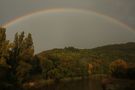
{"x":75,"y":85}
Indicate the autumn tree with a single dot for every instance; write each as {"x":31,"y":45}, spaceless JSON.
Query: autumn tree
{"x":90,"y":68}
{"x":118,"y":68}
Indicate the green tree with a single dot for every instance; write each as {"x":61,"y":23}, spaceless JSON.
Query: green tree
{"x":4,"y":56}
{"x":4,"y":47}
{"x":36,"y":67}
{"x":21,"y":55}
{"x":47,"y":65}
{"x":23,"y":71}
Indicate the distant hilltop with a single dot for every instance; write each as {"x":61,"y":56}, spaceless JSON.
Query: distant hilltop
{"x":125,"y":51}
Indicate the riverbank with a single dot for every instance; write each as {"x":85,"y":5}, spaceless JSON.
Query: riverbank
{"x":70,"y":84}
{"x":39,"y":83}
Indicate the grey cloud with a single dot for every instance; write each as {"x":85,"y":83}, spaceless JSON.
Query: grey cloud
{"x":122,"y":10}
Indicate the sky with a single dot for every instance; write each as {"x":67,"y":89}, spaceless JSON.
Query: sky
{"x":79,"y":23}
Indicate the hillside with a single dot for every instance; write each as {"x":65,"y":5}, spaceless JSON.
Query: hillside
{"x":100,"y":57}
{"x":124,"y":51}
{"x":117,"y":51}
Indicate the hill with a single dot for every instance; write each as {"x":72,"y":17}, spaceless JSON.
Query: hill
{"x":124,"y":51}
{"x":100,"y":57}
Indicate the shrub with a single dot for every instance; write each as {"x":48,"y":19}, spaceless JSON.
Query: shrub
{"x":118,"y":68}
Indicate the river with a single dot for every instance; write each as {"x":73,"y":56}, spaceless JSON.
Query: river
{"x":75,"y":85}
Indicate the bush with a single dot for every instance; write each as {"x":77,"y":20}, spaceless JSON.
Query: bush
{"x":118,"y":68}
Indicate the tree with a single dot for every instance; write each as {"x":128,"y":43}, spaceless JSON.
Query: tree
{"x":36,"y":67}
{"x":4,"y":57}
{"x":47,"y":66}
{"x":21,"y":55}
{"x":118,"y":68}
{"x":23,"y":71}
{"x":22,"y":46}
{"x":4,"y":47}
{"x":90,"y":68}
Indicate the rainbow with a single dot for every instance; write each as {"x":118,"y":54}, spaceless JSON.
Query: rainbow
{"x":52,"y":10}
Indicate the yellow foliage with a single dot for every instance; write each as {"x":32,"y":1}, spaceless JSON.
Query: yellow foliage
{"x":118,"y":64}
{"x":90,"y":68}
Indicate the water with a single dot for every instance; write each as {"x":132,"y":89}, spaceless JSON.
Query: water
{"x":75,"y":85}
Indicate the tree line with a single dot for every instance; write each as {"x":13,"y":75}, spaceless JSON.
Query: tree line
{"x":19,"y":64}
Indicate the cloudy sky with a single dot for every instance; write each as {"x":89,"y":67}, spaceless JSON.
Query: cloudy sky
{"x":79,"y":23}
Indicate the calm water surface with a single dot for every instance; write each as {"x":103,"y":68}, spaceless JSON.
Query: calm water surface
{"x":75,"y":85}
